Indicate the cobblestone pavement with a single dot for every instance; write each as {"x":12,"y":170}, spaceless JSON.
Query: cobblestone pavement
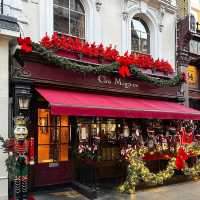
{"x":181,"y":191}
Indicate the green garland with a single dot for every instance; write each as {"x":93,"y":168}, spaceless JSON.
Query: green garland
{"x":194,"y":171}
{"x":138,"y":171}
{"x":50,"y":57}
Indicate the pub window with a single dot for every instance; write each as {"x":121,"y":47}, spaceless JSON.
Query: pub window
{"x":103,"y":133}
{"x":69,"y":18}
{"x":140,"y":36}
{"x":53,"y":137}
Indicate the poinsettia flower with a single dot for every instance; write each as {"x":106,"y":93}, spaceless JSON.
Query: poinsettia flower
{"x":25,"y":44}
{"x":56,"y":41}
{"x":26,"y":48}
{"x":77,"y":45}
{"x":101,"y":50}
{"x":20,"y":40}
{"x":46,"y":41}
{"x":86,"y":48}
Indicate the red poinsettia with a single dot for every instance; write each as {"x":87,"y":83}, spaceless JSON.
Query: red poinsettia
{"x":77,"y":45}
{"x":56,"y":41}
{"x":25,"y":44}
{"x":181,"y":158}
{"x":101,"y":50}
{"x":163,"y":66}
{"x":108,"y":53}
{"x":111,"y":53}
{"x":46,"y":41}
{"x":86,"y":49}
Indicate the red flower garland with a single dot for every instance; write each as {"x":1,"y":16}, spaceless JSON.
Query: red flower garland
{"x":109,"y":53}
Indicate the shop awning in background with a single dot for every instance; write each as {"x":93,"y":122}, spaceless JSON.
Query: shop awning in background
{"x":88,"y":104}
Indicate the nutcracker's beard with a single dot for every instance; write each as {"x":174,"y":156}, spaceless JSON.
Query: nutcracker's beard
{"x":21,"y":141}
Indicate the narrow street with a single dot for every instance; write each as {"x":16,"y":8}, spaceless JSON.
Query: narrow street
{"x":183,"y":191}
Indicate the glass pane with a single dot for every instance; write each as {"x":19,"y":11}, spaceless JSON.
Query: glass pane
{"x":61,"y":19}
{"x":64,"y":135}
{"x":64,"y":121}
{"x":64,"y":152}
{"x":54,"y":152}
{"x":140,"y":36}
{"x":135,"y":43}
{"x":77,"y":6}
{"x":44,"y":154}
{"x":138,"y":25}
{"x":144,"y":46}
{"x":63,"y":3}
{"x":77,"y":24}
{"x":43,"y":126}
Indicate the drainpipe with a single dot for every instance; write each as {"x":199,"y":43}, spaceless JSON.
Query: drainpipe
{"x":2,"y":7}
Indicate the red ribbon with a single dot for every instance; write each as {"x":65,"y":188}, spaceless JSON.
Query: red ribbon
{"x":181,"y":158}
{"x":124,"y":71}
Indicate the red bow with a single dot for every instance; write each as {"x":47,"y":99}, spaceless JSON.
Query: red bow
{"x":181,"y":158}
{"x":124,"y":71}
{"x":25,"y":44}
{"x":124,"y":62}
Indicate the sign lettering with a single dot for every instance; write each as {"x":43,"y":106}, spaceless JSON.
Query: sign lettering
{"x":116,"y":81}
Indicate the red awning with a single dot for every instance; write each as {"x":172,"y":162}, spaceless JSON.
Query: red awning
{"x":88,"y":104}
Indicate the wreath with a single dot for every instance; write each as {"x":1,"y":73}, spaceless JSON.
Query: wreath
{"x":137,"y":171}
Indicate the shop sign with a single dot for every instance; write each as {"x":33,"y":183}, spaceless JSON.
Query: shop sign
{"x":116,"y":81}
{"x":53,"y":165}
{"x":192,"y":75}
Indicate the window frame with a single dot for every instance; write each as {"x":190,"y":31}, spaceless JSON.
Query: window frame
{"x":74,"y":11}
{"x":148,"y":33}
{"x":57,"y":142}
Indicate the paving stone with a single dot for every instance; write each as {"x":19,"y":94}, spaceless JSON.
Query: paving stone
{"x":183,"y":191}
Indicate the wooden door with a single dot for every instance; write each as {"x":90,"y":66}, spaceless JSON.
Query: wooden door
{"x":53,"y":164}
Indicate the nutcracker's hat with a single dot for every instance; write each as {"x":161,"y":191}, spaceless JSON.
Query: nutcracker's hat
{"x":20,"y":121}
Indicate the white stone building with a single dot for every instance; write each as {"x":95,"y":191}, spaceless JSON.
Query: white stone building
{"x":144,"y":26}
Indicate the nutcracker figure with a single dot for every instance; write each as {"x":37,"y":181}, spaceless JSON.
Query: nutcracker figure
{"x":24,"y":153}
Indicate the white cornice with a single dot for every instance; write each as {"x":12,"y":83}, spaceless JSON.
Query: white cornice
{"x":169,"y":7}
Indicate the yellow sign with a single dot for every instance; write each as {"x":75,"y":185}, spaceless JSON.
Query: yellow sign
{"x":192,"y":75}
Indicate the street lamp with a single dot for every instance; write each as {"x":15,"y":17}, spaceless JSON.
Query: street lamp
{"x":22,"y":98}
{"x":24,"y":102}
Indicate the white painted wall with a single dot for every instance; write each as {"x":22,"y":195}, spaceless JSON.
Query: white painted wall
{"x":168,"y":39}
{"x":108,"y":25}
{"x":3,"y":113}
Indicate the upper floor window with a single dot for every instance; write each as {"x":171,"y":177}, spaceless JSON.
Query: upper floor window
{"x":69,"y":18}
{"x":140,"y":36}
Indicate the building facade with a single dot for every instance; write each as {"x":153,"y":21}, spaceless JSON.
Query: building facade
{"x":141,"y":26}
{"x":9,"y":31}
{"x":188,"y":46}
